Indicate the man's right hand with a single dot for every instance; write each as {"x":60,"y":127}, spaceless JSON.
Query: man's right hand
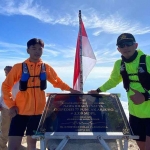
{"x":75,"y":91}
{"x":13,"y":111}
{"x":137,"y":98}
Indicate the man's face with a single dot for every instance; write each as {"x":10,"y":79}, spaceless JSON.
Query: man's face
{"x":35,"y":52}
{"x":127,"y":48}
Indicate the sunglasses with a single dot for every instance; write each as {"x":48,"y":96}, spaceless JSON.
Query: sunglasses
{"x":128,"y":44}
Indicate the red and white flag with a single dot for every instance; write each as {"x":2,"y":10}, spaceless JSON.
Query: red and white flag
{"x":88,"y":59}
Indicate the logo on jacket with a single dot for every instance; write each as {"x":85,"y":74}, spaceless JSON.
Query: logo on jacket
{"x":122,"y":67}
{"x":141,"y":70}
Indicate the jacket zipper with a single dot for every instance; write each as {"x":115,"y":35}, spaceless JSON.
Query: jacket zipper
{"x":34,"y":90}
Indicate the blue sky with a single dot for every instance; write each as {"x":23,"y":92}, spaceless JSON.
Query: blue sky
{"x":56,"y":22}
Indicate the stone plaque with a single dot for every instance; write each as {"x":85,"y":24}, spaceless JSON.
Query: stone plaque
{"x":84,"y":113}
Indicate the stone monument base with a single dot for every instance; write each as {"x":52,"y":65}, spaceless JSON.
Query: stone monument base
{"x":81,"y":144}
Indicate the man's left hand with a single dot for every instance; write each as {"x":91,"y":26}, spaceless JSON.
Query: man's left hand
{"x":137,"y":98}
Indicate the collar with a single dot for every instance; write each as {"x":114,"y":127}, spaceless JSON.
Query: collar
{"x":133,"y":57}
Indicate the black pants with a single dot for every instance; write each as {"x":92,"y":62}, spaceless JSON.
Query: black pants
{"x":21,"y":123}
{"x":140,"y":127}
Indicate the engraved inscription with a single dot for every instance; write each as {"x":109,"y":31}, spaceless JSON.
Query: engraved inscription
{"x":84,"y":113}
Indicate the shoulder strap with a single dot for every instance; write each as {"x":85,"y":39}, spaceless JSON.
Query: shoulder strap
{"x":25,"y":68}
{"x":142,"y":64}
{"x":43,"y":68}
{"x":144,"y":76}
{"x":43,"y":82}
{"x":125,"y":77}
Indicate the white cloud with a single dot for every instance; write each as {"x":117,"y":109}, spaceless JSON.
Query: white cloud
{"x":9,"y":48}
{"x":98,"y":32}
{"x":63,"y":52}
{"x":106,"y":56}
{"x":100,"y":72}
{"x":53,"y":53}
{"x":30,"y":8}
{"x":113,"y":23}
{"x":48,"y":52}
{"x":10,"y":45}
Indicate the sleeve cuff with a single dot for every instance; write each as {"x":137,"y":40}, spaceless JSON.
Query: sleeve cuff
{"x":147,"y":96}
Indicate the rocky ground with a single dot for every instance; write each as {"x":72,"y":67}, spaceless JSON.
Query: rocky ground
{"x":132,"y":145}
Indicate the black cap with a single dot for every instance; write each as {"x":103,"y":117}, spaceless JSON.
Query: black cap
{"x":125,"y":37}
{"x":35,"y":41}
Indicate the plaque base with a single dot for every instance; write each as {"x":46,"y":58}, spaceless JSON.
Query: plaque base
{"x":83,"y":122}
{"x":80,"y":144}
{"x":103,"y":141}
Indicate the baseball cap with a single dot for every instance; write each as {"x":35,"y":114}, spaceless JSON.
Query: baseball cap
{"x":124,"y":37}
{"x":35,"y":41}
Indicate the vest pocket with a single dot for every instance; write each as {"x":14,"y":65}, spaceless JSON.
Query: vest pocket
{"x":43,"y":84}
{"x":23,"y":85}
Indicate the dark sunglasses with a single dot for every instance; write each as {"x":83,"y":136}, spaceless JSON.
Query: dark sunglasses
{"x":128,"y":44}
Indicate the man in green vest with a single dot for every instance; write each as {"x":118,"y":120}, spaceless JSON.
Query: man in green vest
{"x":136,"y":79}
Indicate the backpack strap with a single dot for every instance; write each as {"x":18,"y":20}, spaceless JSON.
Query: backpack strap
{"x":125,"y":76}
{"x":143,"y":75}
{"x":25,"y":68}
{"x":43,"y":81}
{"x":43,"y":68}
{"x":142,"y":65}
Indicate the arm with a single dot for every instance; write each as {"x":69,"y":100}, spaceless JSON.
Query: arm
{"x":53,"y":78}
{"x":7,"y":86}
{"x":113,"y":81}
{"x":115,"y":78}
{"x":1,"y":102}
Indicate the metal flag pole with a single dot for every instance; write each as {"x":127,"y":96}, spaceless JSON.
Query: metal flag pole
{"x":80,"y":41}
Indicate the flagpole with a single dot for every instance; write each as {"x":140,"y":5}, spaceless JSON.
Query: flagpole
{"x":84,"y":57}
{"x":80,"y":39}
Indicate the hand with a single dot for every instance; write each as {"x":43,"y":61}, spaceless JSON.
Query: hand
{"x":47,"y":94}
{"x":93,"y":92}
{"x":13,"y":111}
{"x":75,"y":91}
{"x":137,"y":98}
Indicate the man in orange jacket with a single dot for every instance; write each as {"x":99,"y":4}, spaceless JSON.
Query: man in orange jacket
{"x":29,"y":103}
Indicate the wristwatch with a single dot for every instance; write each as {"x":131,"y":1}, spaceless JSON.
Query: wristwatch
{"x":98,"y":90}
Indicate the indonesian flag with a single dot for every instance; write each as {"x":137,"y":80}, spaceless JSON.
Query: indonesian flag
{"x":88,"y":59}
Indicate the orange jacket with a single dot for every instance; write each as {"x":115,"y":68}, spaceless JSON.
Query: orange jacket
{"x":31,"y":101}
